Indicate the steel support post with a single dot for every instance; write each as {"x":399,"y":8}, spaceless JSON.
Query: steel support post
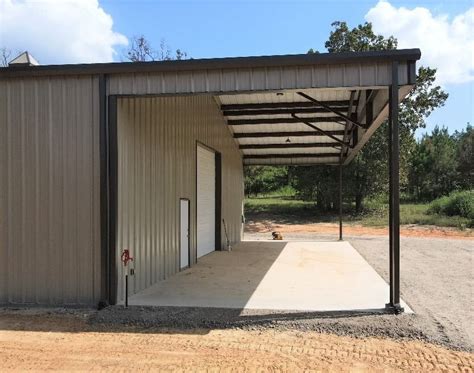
{"x":340,"y":200}
{"x":394,"y":193}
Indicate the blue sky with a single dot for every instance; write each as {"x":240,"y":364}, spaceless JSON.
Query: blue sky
{"x":240,"y":28}
{"x":243,"y":28}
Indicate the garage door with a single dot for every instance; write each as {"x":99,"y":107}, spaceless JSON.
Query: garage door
{"x":206,"y":201}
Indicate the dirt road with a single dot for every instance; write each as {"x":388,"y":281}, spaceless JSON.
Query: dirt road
{"x":68,"y":342}
{"x":422,"y":231}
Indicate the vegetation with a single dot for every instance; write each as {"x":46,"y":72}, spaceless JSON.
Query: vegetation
{"x":265,"y":179}
{"x":440,"y":164}
{"x":456,"y":204}
{"x":295,"y":211}
{"x":440,"y":169}
{"x":5,"y":55}
{"x":141,"y":50}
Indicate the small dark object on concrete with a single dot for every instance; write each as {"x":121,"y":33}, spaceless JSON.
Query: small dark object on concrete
{"x":277,"y":236}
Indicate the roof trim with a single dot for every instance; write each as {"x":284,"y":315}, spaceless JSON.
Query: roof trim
{"x":213,"y":63}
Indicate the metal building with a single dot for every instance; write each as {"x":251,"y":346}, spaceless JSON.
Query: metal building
{"x":149,"y":156}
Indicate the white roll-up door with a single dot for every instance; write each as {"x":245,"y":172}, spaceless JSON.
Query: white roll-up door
{"x":206,"y":201}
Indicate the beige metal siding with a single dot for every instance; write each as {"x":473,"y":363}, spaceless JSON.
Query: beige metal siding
{"x":49,"y":191}
{"x":373,"y":74}
{"x":157,"y":140}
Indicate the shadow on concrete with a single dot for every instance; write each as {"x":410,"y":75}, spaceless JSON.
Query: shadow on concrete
{"x":219,"y":279}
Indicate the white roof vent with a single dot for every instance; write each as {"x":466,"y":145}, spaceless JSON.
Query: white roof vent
{"x":24,"y":59}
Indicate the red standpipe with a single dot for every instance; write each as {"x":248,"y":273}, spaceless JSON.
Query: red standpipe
{"x":125,"y":258}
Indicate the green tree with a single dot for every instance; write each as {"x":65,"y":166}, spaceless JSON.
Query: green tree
{"x":141,"y":50}
{"x":465,"y":155}
{"x":434,"y":170}
{"x":368,"y":172}
{"x":322,"y":192}
{"x":359,"y":39}
{"x":264,"y":179}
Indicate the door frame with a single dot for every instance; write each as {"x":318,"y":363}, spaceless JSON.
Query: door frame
{"x":218,"y":194}
{"x":189,"y":233}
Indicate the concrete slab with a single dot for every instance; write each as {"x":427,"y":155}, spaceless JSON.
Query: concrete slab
{"x":275,"y":275}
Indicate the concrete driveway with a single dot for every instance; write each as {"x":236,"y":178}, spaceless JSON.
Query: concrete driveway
{"x":275,"y":275}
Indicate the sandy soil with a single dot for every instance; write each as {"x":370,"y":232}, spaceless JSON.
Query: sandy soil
{"x":268,"y":226}
{"x":67,"y":342}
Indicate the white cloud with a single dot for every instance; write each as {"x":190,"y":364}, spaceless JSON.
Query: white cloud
{"x":59,"y":31}
{"x":447,"y":44}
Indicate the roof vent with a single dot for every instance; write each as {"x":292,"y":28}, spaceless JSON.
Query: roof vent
{"x":24,"y":59}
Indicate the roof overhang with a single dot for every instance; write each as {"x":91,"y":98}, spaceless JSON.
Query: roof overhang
{"x":294,"y":109}
{"x":214,"y":63}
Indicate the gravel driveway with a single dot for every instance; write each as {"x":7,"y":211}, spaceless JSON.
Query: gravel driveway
{"x":436,"y":280}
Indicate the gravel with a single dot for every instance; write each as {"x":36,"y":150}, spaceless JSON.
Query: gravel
{"x":437,"y":277}
{"x":436,"y":281}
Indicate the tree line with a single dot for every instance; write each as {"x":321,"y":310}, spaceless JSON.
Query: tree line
{"x":435,"y":165}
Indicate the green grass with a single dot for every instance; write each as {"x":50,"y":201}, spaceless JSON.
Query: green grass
{"x":284,"y":209}
{"x":289,"y":210}
{"x":415,"y":214}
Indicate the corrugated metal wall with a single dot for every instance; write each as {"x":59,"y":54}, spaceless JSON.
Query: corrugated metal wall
{"x":49,"y":191}
{"x":370,"y":74}
{"x":157,"y":139}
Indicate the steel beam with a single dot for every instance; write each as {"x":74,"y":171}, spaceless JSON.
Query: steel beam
{"x":296,"y":155}
{"x":240,"y":135}
{"x":279,"y":105}
{"x":244,"y":122}
{"x":278,"y":111}
{"x":104,"y":193}
{"x":112,"y":149}
{"x":346,"y":127}
{"x":340,"y":199}
{"x":328,"y":108}
{"x":323,"y":132}
{"x":355,"y":136}
{"x":290,"y":145}
{"x":394,"y":194}
{"x":369,"y":107}
{"x":341,"y":157}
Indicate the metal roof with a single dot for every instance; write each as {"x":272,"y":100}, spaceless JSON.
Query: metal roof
{"x":293,"y":109}
{"x":214,"y":63}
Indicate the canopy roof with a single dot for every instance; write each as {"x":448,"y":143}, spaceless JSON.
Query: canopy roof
{"x":287,"y":128}
{"x":293,"y":109}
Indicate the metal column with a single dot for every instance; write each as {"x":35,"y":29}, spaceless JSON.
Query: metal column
{"x":340,"y":200}
{"x":394,"y":193}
